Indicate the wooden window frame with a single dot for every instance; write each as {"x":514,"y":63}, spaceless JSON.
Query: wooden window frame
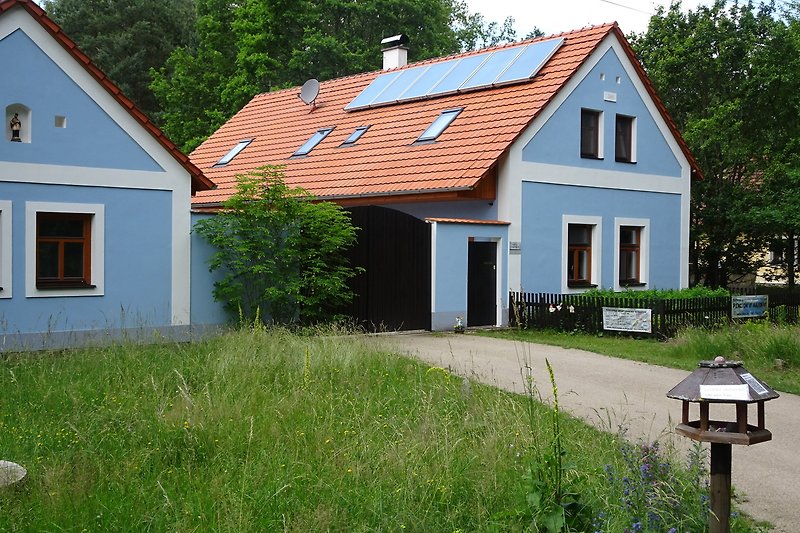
{"x":574,"y":252}
{"x":591,"y":134}
{"x":625,"y":249}
{"x":61,"y":280}
{"x":624,"y":142}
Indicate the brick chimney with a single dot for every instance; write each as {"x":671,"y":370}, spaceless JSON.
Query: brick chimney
{"x":395,"y":51}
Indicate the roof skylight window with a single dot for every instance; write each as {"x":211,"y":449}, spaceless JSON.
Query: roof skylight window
{"x":233,"y":153}
{"x":312,"y":142}
{"x":354,"y":137}
{"x":439,"y":125}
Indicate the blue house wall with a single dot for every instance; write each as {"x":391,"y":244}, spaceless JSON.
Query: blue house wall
{"x":89,"y":138}
{"x":83,"y":153}
{"x":546,"y":185}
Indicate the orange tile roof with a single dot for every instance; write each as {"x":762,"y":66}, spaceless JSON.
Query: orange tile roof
{"x":384,"y":164}
{"x":199,"y":180}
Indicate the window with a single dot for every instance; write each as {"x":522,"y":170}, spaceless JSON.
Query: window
{"x":631,"y":263}
{"x":5,"y":249}
{"x":579,"y":255}
{"x":312,"y":142}
{"x":64,"y":249}
{"x":233,"y":152}
{"x":438,"y":126}
{"x":624,"y":144}
{"x":355,"y":136}
{"x":591,"y":134}
{"x":581,"y":252}
{"x":629,"y":254}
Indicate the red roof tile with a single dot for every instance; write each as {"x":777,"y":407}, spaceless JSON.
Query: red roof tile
{"x":199,"y":180}
{"x":384,"y":161}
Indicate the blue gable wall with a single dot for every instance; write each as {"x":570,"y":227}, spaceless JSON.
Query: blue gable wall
{"x":558,"y":141}
{"x":543,"y":207}
{"x":137,"y":263}
{"x":91,"y":138}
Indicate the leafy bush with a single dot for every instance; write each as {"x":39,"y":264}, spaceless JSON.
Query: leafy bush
{"x":661,"y":294}
{"x":282,"y":254}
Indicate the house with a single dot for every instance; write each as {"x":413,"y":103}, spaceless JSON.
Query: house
{"x":94,"y":200}
{"x":548,"y":165}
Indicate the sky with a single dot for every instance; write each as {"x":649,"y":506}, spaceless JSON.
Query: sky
{"x":556,"y":16}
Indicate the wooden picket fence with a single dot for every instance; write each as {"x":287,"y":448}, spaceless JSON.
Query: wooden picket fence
{"x":575,"y":312}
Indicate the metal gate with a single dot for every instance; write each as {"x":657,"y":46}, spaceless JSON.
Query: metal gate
{"x":394,"y":291}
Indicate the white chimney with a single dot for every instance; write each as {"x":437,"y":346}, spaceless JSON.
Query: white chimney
{"x":395,"y":51}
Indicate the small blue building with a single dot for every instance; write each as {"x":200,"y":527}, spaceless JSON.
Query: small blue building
{"x":94,"y":200}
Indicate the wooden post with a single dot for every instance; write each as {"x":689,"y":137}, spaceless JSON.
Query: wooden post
{"x":719,"y":518}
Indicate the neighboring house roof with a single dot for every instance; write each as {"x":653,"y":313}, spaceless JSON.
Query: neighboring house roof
{"x":199,"y":180}
{"x":385,"y":165}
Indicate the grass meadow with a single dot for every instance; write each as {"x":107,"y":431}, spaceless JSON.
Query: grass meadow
{"x":273,"y":431}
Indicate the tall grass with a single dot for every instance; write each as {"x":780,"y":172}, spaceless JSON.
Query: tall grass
{"x":271,"y":431}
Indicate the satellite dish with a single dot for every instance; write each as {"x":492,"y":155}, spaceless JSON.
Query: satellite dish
{"x":309,"y":92}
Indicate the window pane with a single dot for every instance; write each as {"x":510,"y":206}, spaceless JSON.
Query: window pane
{"x":583,"y":265}
{"x":628,"y":235}
{"x":590,"y":133}
{"x":624,"y":138}
{"x":47,"y":259}
{"x":580,"y":234}
{"x":439,"y":125}
{"x":73,"y":260}
{"x":59,"y":227}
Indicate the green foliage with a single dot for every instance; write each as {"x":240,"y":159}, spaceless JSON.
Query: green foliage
{"x":726,"y":73}
{"x":127,"y":38}
{"x":281,"y":253}
{"x":255,"y":46}
{"x":699,"y":291}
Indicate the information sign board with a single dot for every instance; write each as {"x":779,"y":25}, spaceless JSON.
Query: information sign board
{"x":627,"y":319}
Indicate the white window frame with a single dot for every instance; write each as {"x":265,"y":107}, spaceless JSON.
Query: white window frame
{"x":634,"y":123}
{"x":644,"y":251}
{"x":97,"y":251}
{"x":6,"y":235}
{"x":597,"y":250}
{"x":600,"y":134}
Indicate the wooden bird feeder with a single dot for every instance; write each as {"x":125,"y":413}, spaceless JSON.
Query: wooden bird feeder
{"x":727,"y":383}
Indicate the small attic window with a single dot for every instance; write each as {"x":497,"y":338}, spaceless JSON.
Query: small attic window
{"x":354,"y":137}
{"x":312,"y":142}
{"x":439,"y":125}
{"x":227,"y":158}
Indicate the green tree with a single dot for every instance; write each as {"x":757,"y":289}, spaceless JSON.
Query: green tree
{"x":189,"y":87}
{"x":126,"y":38}
{"x":702,"y":65}
{"x":261,"y":45}
{"x":282,"y":254}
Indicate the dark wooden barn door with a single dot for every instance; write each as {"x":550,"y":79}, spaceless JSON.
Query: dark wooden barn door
{"x":482,"y":284}
{"x":394,"y":249}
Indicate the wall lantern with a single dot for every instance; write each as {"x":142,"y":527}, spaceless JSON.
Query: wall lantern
{"x":722,"y":383}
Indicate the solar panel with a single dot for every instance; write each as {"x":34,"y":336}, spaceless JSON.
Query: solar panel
{"x":528,"y":63}
{"x":429,"y":78}
{"x":506,"y":65}
{"x":496,"y":65}
{"x":365,"y":98}
{"x":465,"y":68}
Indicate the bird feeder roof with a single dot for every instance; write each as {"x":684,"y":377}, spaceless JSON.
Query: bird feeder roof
{"x":722,"y":381}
